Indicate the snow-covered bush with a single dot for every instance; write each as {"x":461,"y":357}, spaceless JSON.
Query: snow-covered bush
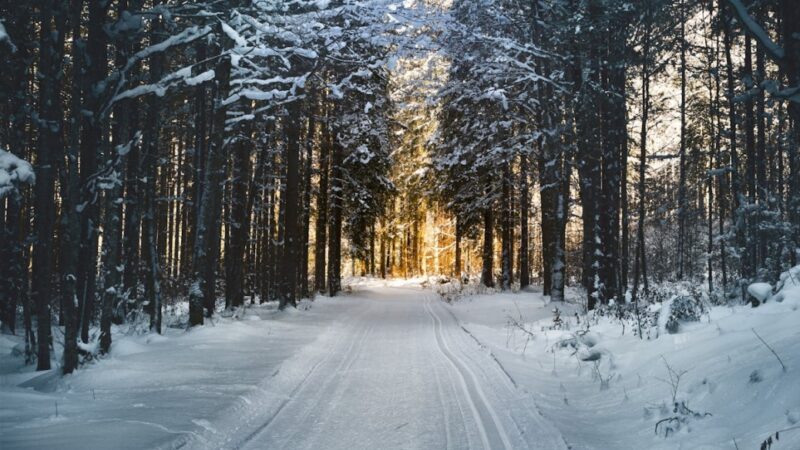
{"x":662,"y":308}
{"x":760,"y":292}
{"x":788,"y":287}
{"x":582,"y":343}
{"x":451,"y":289}
{"x":683,"y":308}
{"x":670,"y":304}
{"x":642,"y":316}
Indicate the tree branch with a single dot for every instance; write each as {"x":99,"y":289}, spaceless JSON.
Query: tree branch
{"x":773,"y":50}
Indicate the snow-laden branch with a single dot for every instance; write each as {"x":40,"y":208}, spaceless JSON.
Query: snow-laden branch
{"x":184,"y":37}
{"x":183,"y":75}
{"x":13,"y":172}
{"x":233,"y":34}
{"x":4,"y":37}
{"x":772,"y":49}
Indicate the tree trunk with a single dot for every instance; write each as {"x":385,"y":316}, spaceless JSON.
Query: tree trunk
{"x":682,"y":151}
{"x":206,"y":244}
{"x":457,"y":262}
{"x":241,"y":204}
{"x":383,"y":254}
{"x":321,"y":223}
{"x":547,"y":207}
{"x":487,"y":275}
{"x":71,"y":231}
{"x":12,"y":229}
{"x":790,"y":22}
{"x":291,"y":239}
{"x":750,"y":256}
{"x":734,"y":155}
{"x":640,"y":269}
{"x":561,"y":215}
{"x":335,"y":230}
{"x":49,"y":149}
{"x":91,"y":146}
{"x":306,"y":203}
{"x":524,"y":211}
{"x":762,"y":188}
{"x":506,"y":256}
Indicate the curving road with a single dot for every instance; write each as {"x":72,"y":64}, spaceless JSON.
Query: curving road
{"x":399,"y":373}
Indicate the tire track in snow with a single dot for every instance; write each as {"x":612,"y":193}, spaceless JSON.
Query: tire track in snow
{"x":494,"y":435}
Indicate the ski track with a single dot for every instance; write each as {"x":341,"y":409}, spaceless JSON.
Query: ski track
{"x":297,"y":392}
{"x":494,"y":433}
{"x":400,"y":373}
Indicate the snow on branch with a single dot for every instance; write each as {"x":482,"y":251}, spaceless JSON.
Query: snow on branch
{"x":774,"y":50}
{"x":13,"y":172}
{"x":184,"y":37}
{"x":4,"y":37}
{"x":160,"y":88}
{"x":233,"y":34}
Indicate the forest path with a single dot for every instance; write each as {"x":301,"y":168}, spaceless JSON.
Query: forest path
{"x":399,"y":372}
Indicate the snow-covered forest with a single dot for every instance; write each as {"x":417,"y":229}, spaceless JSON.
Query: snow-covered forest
{"x":528,"y":200}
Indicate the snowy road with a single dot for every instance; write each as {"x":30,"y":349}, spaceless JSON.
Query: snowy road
{"x":398,"y":373}
{"x":390,"y":367}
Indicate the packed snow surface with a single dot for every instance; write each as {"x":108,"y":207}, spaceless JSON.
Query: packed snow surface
{"x":384,"y":367}
{"x":729,"y":377}
{"x":390,"y":366}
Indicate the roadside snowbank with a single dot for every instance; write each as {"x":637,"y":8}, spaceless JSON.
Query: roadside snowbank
{"x":153,"y":388}
{"x":712,"y":383}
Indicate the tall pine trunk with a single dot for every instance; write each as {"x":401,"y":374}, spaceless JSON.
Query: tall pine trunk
{"x":506,"y":227}
{"x":206,"y":243}
{"x":240,"y":207}
{"x":335,"y":228}
{"x":524,"y":211}
{"x":321,"y":222}
{"x":292,"y":126}
{"x":487,"y":273}
{"x":48,"y":151}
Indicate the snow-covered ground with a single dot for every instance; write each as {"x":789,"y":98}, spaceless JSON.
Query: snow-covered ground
{"x":726,"y":370}
{"x":154,"y":389}
{"x":399,"y":372}
{"x":391,"y":366}
{"x":386,"y":366}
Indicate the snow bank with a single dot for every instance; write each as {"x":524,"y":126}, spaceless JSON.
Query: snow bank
{"x":606,"y":388}
{"x":153,"y":389}
{"x":788,"y":289}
